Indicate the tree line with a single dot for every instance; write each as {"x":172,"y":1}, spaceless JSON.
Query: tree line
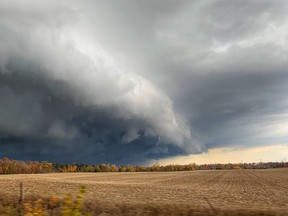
{"x":8,"y":166}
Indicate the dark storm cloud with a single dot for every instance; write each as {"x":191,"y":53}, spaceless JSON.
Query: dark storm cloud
{"x":66,"y":131}
{"x":126,"y":82}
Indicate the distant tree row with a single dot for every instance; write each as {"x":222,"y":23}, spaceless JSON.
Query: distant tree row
{"x":8,"y":166}
{"x":115,"y":168}
{"x":261,"y":165}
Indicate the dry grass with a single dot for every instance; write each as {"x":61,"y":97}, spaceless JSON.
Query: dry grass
{"x":242,"y":192}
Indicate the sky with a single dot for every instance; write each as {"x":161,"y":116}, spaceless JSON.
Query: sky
{"x":134,"y":82}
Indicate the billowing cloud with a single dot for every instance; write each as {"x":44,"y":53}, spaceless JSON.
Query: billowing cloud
{"x":129,"y":82}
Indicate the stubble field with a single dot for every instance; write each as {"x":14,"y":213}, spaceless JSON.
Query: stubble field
{"x":234,"y":192}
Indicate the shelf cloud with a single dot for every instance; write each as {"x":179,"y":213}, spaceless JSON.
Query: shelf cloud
{"x":130,"y":82}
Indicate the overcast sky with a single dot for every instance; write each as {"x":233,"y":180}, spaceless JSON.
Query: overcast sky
{"x":136,"y":81}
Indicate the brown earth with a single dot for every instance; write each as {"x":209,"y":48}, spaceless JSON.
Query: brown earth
{"x":249,"y":192}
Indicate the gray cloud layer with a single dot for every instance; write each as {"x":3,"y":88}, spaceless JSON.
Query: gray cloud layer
{"x":104,"y":81}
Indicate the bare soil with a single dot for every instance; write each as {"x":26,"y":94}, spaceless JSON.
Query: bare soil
{"x":264,"y":192}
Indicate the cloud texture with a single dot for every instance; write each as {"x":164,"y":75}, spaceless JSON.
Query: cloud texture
{"x":128,"y":82}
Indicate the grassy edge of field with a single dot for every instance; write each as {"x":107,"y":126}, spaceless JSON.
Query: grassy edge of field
{"x":79,"y":206}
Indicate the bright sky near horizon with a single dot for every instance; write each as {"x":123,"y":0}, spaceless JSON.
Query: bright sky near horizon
{"x":273,"y":153}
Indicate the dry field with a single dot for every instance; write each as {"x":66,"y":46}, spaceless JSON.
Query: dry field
{"x":242,"y":192}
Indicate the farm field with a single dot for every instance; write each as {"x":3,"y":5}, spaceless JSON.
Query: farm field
{"x":231,"y":192}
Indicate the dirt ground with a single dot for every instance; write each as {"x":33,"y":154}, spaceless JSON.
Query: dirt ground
{"x":216,"y":191}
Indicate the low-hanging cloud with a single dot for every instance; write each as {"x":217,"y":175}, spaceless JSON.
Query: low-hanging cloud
{"x":108,"y":82}
{"x":58,"y":83}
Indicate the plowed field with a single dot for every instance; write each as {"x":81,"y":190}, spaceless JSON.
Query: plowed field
{"x":214,"y":191}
